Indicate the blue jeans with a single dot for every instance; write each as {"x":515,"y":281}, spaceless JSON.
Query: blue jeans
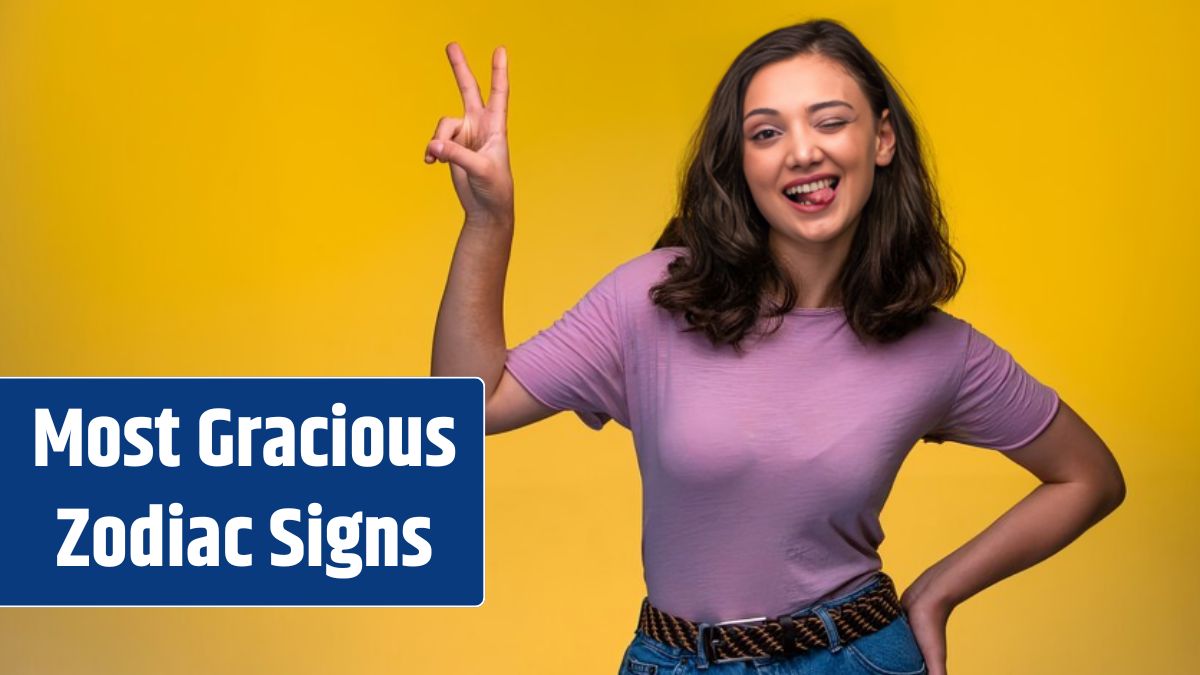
{"x":891,"y":650}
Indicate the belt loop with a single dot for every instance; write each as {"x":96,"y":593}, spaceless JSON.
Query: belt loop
{"x":701,"y":647}
{"x":835,"y":645}
{"x":787,"y":627}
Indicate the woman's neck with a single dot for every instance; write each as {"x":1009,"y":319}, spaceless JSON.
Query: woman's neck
{"x":814,"y":268}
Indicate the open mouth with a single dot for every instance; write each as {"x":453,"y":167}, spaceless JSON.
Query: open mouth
{"x":814,"y":194}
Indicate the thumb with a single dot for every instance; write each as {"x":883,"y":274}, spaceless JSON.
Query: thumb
{"x":449,"y":151}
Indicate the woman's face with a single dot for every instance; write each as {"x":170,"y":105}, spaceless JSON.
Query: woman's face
{"x":806,"y":120}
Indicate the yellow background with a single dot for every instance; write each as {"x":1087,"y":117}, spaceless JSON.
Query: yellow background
{"x":236,"y":188}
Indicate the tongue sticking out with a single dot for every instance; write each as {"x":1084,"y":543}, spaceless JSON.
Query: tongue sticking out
{"x":822,"y":196}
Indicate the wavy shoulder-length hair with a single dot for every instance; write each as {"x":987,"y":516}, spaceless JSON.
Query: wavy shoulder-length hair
{"x":900,"y":261}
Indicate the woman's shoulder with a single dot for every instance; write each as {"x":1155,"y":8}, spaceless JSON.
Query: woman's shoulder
{"x":940,"y":319}
{"x":638,"y":274}
{"x":941,"y":332}
{"x":653,"y":262}
{"x":629,"y":285}
{"x":938,"y":333}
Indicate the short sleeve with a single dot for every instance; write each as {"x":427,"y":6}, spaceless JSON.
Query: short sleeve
{"x":576,"y":363}
{"x":998,"y":405}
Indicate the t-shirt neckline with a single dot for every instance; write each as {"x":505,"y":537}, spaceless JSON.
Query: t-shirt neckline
{"x":816,"y":311}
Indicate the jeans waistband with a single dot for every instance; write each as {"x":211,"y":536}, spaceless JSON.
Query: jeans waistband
{"x":653,"y":624}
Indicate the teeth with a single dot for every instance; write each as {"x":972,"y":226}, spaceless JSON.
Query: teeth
{"x":809,"y":187}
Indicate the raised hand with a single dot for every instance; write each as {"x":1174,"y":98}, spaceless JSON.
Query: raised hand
{"x":476,"y":144}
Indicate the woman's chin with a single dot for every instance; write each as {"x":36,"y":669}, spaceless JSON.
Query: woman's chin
{"x":825,"y":231}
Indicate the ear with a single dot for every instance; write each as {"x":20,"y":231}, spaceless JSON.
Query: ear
{"x":885,"y":140}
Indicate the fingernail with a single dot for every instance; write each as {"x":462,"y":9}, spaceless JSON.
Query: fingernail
{"x":436,"y":147}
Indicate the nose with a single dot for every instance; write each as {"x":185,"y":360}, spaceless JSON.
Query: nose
{"x":803,"y":149}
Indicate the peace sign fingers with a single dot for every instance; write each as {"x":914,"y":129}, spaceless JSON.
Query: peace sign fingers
{"x":466,"y":80}
{"x":476,"y":144}
{"x":498,"y":97}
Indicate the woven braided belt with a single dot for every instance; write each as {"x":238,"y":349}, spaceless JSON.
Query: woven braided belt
{"x":783,"y":636}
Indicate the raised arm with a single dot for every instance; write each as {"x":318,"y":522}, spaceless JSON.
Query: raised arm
{"x":468,"y":339}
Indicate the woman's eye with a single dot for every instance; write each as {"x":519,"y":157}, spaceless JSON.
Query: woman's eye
{"x":832,"y":125}
{"x":759,"y":135}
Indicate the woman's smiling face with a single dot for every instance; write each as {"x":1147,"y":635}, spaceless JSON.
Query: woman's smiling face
{"x":807,"y":119}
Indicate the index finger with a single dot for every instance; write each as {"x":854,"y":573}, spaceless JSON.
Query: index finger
{"x":466,"y":81}
{"x":498,"y":97}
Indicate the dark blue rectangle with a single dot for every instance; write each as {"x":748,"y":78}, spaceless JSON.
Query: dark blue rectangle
{"x":446,"y":557}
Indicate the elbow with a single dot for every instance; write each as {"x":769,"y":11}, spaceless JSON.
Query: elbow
{"x":1102,"y":493}
{"x":1116,"y":485}
{"x":1110,"y":493}
{"x":1111,"y":482}
{"x":494,"y":420}
{"x":1116,"y":493}
{"x":490,"y":429}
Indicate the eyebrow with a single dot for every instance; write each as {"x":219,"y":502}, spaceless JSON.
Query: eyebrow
{"x":811,"y":109}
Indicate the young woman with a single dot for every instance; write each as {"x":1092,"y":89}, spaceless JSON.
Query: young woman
{"x":776,"y":355}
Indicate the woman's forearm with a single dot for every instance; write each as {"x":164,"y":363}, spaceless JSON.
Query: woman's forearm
{"x":468,"y":339}
{"x":1042,"y":523}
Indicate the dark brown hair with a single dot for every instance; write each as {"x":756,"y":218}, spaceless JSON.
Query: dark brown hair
{"x":900,"y":261}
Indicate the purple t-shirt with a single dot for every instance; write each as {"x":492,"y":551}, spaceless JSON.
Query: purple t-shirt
{"x":764,"y":474}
